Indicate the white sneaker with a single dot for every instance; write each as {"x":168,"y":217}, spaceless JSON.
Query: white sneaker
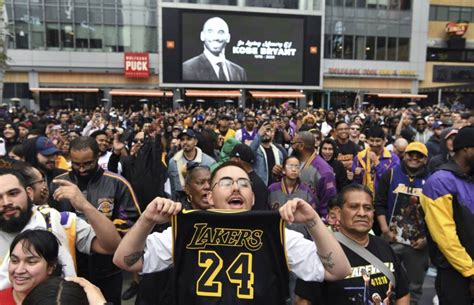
{"x":435,"y":300}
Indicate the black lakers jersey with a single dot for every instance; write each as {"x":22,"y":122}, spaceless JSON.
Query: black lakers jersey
{"x":230,"y":258}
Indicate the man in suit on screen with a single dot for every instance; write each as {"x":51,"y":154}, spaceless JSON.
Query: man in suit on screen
{"x":211,"y":64}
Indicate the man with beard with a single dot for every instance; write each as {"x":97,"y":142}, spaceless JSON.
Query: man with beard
{"x":347,"y":149}
{"x":423,"y":133}
{"x":188,"y":153}
{"x":23,"y":131}
{"x":18,"y":214}
{"x":448,"y":203}
{"x":113,"y":196}
{"x":268,"y":156}
{"x":40,"y":152}
{"x":224,"y":129}
{"x":315,"y":172}
{"x":104,"y":149}
{"x":397,"y":200}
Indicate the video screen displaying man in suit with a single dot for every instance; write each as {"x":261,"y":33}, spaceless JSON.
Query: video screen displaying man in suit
{"x":211,"y":64}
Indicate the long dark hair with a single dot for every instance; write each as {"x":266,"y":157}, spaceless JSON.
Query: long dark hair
{"x":44,"y":243}
{"x":56,"y":291}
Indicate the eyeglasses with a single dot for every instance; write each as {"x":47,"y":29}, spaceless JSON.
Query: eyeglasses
{"x":415,"y":155}
{"x":36,"y":182}
{"x":86,"y":165}
{"x":228,"y":182}
{"x":137,"y":141}
{"x":355,"y":128}
{"x":292,"y":166}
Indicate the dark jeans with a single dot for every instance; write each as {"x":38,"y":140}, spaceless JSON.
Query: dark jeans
{"x":452,"y":288}
{"x":416,"y":264}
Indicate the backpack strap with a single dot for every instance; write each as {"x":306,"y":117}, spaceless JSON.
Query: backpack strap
{"x":365,"y":254}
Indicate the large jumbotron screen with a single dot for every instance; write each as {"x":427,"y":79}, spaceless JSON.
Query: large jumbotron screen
{"x":230,"y":48}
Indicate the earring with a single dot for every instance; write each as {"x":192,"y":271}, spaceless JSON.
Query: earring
{"x":189,"y":197}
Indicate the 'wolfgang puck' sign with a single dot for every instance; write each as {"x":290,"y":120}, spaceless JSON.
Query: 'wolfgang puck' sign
{"x":137,"y":65}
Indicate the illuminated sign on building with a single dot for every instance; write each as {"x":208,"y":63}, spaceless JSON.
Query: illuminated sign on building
{"x":137,"y":65}
{"x":456,"y":28}
{"x":372,"y":72}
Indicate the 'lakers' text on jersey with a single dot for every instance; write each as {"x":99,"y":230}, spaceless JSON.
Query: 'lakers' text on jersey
{"x":232,"y":258}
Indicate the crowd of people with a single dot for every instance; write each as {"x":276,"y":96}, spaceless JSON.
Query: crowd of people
{"x":338,"y":206}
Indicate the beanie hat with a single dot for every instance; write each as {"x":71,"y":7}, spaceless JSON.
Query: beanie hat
{"x":465,"y":138}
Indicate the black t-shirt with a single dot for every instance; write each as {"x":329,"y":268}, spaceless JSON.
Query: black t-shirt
{"x":261,"y":192}
{"x":347,"y":151}
{"x":270,"y":164}
{"x":352,"y":290}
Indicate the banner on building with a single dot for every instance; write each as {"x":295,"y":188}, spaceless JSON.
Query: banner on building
{"x":137,"y":65}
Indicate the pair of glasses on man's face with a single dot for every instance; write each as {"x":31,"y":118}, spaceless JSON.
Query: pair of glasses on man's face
{"x":228,"y":182}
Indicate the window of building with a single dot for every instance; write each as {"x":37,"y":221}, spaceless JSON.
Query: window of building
{"x":432,"y":12}
{"x":349,"y":3}
{"x":403,"y":49}
{"x":21,"y":36}
{"x":454,"y":13}
{"x":405,"y":5}
{"x":392,"y":48}
{"x":348,"y":47}
{"x":382,"y":5}
{"x":465,"y":14}
{"x":110,"y":35}
{"x":337,"y":46}
{"x":394,"y":4}
{"x":361,"y":3}
{"x":52,"y":35}
{"x":36,"y":21}
{"x":370,"y":48}
{"x":327,"y":46}
{"x":360,"y":47}
{"x":381,"y":48}
{"x":372,"y":4}
{"x":442,"y":13}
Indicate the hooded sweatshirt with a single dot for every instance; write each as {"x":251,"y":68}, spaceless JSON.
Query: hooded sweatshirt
{"x":443,"y":155}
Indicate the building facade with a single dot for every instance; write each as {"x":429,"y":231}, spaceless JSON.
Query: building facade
{"x":72,"y":51}
{"x":449,"y":66}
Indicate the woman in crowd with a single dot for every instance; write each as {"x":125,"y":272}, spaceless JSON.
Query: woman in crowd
{"x":33,"y":259}
{"x":197,"y":186}
{"x":329,"y":152}
{"x":290,"y":186}
{"x":69,"y":291}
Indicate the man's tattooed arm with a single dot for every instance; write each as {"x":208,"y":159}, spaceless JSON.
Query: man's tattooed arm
{"x":131,"y":259}
{"x":327,"y":260}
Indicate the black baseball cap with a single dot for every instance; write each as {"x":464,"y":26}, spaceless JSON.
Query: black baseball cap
{"x":187,"y":132}
{"x":243,"y":152}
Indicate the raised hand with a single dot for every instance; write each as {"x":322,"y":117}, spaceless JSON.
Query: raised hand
{"x":160,"y":210}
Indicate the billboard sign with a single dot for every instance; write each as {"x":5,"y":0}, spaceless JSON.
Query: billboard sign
{"x":137,"y":65}
{"x":230,"y":48}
